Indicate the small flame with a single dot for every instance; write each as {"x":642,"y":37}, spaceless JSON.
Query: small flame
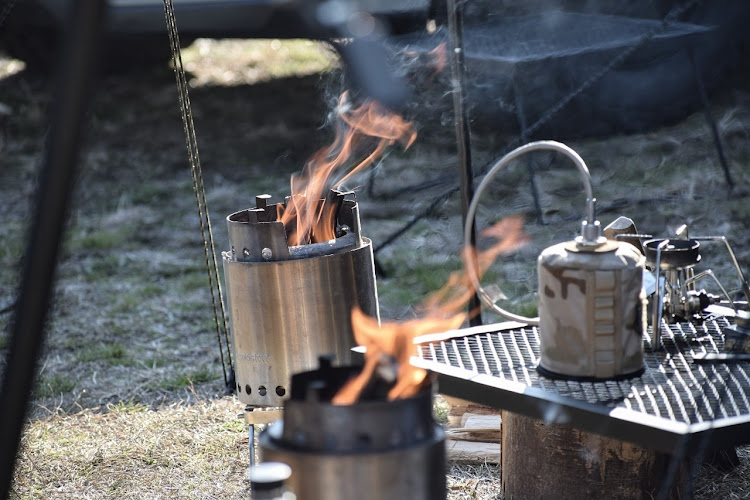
{"x":306,"y":218}
{"x":438,"y":60}
{"x":391,"y":345}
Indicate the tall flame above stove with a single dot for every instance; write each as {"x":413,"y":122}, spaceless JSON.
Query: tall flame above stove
{"x":295,"y":270}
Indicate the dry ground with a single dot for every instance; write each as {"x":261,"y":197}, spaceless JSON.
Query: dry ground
{"x":129,"y":401}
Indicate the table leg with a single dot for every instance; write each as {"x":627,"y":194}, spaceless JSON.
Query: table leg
{"x":540,"y":460}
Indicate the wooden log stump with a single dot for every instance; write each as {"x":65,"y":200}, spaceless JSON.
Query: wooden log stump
{"x":548,"y":461}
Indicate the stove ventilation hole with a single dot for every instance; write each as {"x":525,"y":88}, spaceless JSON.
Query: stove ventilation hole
{"x":280,"y":391}
{"x":247,"y":388}
{"x":262,"y":390}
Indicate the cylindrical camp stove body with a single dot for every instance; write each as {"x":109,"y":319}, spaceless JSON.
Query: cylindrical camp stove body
{"x":370,"y":450}
{"x":285,"y":313}
{"x":591,"y":310}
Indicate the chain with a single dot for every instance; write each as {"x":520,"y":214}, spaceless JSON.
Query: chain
{"x":212,"y":268}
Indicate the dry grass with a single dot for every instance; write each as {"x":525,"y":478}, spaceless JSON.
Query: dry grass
{"x":228,"y":63}
{"x":133,"y":451}
{"x":714,"y":483}
{"x":470,"y":482}
{"x":129,"y":402}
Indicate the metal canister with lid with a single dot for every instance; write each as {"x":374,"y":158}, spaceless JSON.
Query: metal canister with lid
{"x":591,"y":307}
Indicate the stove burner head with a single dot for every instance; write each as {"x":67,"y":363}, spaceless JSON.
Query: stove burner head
{"x":384,"y":449}
{"x":259,"y":235}
{"x":674,"y":296}
{"x":677,"y":254}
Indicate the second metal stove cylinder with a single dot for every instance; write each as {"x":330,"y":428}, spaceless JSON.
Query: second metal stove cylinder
{"x":370,"y":450}
{"x":591,"y":310}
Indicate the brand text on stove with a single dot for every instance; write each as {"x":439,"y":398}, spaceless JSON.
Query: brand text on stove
{"x":255,"y":358}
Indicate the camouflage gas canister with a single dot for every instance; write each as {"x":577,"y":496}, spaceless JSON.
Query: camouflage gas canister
{"x":591,"y":310}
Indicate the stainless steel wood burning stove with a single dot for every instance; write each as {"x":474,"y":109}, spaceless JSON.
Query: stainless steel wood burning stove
{"x":288,"y":304}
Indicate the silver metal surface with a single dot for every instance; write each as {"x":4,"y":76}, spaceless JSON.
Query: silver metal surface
{"x":373,"y":449}
{"x":659,"y":303}
{"x":414,"y":473}
{"x":286,"y":313}
{"x":672,"y":262}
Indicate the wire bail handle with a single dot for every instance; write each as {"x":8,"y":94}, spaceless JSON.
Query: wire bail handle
{"x":591,"y":232}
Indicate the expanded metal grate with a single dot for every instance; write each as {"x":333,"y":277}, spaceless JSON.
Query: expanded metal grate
{"x":550,"y":35}
{"x":674,"y":395}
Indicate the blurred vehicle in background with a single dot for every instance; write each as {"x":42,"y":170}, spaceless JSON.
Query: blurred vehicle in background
{"x":136,"y":29}
{"x":661,"y":82}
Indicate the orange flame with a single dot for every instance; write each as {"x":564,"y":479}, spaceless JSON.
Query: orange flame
{"x":438,"y":60}
{"x":306,"y":217}
{"x":392,"y":344}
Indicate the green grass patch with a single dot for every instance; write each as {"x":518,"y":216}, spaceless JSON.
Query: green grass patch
{"x":180,"y":271}
{"x":440,"y":410}
{"x":12,"y":243}
{"x":151,"y":290}
{"x":237,"y":425}
{"x":113,"y":354}
{"x":149,"y":192}
{"x":427,"y":277}
{"x":255,"y":60}
{"x":187,"y":379}
{"x":53,"y":386}
{"x":529,"y":309}
{"x":155,"y":362}
{"x":127,"y":303}
{"x":106,"y":239}
{"x":104,"y":267}
{"x":194,"y":280}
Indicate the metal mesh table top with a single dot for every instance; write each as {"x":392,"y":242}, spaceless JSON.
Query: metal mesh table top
{"x":549,"y":35}
{"x":675,"y":402}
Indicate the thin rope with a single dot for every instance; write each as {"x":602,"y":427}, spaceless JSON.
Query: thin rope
{"x":209,"y":251}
